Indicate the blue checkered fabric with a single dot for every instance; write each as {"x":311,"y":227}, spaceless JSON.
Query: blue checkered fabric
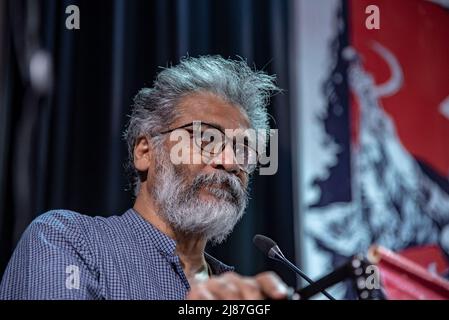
{"x":66,"y":255}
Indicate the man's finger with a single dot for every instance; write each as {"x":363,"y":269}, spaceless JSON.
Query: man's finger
{"x":272,"y":286}
{"x":225,"y":287}
{"x":200,"y":292}
{"x":250,"y":289}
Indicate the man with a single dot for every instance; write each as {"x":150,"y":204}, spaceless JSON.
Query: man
{"x":156,"y":249}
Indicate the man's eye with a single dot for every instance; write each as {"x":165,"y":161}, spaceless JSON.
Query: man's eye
{"x":207,"y":138}
{"x":190,"y":131}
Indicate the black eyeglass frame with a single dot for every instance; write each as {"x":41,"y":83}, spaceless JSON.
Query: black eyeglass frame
{"x":227,"y":139}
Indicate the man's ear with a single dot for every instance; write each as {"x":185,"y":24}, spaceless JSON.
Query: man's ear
{"x":143,"y":153}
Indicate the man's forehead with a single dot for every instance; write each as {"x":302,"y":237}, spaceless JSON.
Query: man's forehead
{"x":212,"y":109}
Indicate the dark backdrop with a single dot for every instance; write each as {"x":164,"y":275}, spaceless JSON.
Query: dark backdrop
{"x":63,"y":148}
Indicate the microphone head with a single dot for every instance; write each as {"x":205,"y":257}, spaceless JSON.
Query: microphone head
{"x":263,"y":243}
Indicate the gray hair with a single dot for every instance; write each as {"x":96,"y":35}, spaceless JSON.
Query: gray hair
{"x":233,"y":80}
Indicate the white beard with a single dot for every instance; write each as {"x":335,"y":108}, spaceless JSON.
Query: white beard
{"x":181,"y":206}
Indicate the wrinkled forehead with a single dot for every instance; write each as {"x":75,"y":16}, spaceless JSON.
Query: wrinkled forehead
{"x":211,"y":109}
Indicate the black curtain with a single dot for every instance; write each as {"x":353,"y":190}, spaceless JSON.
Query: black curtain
{"x":62,"y":148}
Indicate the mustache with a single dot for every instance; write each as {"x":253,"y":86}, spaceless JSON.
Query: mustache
{"x":229,"y":183}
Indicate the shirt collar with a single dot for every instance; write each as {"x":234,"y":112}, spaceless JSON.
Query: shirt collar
{"x":217,"y":266}
{"x":163,"y":243}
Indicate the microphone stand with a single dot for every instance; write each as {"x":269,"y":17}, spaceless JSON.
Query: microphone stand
{"x":354,"y":269}
{"x":276,"y":254}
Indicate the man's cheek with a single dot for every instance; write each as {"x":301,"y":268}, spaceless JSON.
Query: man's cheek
{"x":184,"y":171}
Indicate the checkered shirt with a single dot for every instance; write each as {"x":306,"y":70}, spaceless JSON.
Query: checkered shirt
{"x":66,"y":255}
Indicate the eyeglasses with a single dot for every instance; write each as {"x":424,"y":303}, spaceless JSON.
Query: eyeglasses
{"x":212,"y":142}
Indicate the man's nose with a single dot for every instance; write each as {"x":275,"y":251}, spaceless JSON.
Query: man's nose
{"x":226,"y":160}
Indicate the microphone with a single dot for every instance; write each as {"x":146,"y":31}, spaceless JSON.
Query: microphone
{"x":268,"y":247}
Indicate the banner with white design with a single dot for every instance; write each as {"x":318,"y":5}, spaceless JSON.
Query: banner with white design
{"x":373,"y":129}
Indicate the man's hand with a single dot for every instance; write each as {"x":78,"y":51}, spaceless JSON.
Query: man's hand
{"x":231,"y":286}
